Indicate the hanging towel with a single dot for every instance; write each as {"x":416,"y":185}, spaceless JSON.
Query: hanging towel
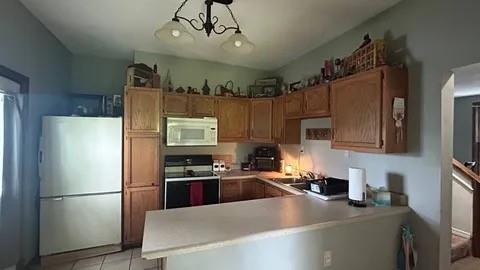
{"x":196,"y":193}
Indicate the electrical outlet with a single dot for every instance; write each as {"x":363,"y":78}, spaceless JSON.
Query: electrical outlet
{"x":327,"y":258}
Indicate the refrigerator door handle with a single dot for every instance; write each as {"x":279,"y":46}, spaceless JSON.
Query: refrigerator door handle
{"x":40,"y":158}
{"x":52,"y":199}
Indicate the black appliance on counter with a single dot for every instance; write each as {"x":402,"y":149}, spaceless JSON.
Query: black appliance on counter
{"x":267,"y":158}
{"x":329,"y":186}
{"x":189,"y":174}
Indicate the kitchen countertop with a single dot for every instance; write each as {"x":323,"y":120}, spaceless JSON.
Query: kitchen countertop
{"x":185,"y":230}
{"x":263,"y":176}
{"x":239,"y":174}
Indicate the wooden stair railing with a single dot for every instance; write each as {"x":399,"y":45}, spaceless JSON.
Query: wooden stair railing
{"x":466,"y":171}
{"x":476,"y":205}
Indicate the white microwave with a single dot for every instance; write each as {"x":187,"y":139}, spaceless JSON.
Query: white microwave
{"x":192,"y":131}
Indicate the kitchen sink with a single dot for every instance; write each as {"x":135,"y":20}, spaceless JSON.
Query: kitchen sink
{"x":289,"y":181}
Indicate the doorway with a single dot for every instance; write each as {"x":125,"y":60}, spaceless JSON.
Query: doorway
{"x":462,"y":107}
{"x":13,"y":95}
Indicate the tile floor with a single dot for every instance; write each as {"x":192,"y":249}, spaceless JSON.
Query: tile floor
{"x":125,"y":260}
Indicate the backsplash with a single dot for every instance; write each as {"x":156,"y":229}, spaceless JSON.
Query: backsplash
{"x":239,"y":151}
{"x":317,"y":156}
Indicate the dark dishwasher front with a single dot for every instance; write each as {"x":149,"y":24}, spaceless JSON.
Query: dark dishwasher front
{"x":178,"y":193}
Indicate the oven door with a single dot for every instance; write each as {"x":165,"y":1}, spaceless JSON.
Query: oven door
{"x":191,"y":132}
{"x":177,"y":193}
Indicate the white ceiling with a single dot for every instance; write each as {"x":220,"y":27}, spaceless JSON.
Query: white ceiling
{"x":467,"y":81}
{"x":281,"y":29}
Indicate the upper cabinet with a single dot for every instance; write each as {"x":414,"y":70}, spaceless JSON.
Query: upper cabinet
{"x":233,"y":119}
{"x":261,"y":117}
{"x":308,"y":103}
{"x":284,"y":131}
{"x":176,"y":105}
{"x":202,"y":106}
{"x":142,"y":110}
{"x":316,"y":101}
{"x":294,"y":105}
{"x":362,"y":111}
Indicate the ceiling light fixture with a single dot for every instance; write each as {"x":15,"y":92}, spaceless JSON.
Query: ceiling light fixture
{"x":175,"y":32}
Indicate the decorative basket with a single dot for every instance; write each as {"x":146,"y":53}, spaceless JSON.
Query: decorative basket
{"x":371,"y":56}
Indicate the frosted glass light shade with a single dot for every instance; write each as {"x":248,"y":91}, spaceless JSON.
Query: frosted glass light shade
{"x":174,"y":32}
{"x":238,"y":43}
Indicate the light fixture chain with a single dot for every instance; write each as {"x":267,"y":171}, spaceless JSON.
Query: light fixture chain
{"x":233,"y":16}
{"x":180,"y":8}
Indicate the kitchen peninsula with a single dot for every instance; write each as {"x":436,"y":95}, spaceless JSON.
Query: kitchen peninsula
{"x":269,"y":232}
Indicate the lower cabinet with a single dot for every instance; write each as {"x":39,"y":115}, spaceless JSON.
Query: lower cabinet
{"x":231,"y":191}
{"x":137,"y":201}
{"x":271,"y":192}
{"x":235,"y":190}
{"x":259,"y":190}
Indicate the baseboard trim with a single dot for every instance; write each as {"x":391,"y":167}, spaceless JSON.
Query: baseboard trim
{"x":79,"y":254}
{"x":461,"y":233}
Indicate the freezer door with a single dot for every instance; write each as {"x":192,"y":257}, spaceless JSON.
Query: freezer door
{"x":73,"y":223}
{"x":80,"y":155}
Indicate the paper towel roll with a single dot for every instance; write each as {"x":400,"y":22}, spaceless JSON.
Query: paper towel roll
{"x":357,"y":184}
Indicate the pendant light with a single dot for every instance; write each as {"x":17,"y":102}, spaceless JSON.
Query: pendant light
{"x":175,"y":32}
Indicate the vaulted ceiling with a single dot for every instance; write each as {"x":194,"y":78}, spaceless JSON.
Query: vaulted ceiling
{"x":281,"y":29}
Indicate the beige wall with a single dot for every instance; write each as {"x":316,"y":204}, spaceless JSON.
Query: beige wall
{"x":367,"y":245}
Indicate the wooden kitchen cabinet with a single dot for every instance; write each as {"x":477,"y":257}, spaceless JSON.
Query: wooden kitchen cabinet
{"x":142,"y":109}
{"x":316,"y":101}
{"x":271,"y":191}
{"x":362,"y":111}
{"x":248,"y":189}
{"x":176,"y":105}
{"x":261,"y":118}
{"x":142,"y":156}
{"x":259,"y":190}
{"x":202,"y":106}
{"x":308,"y":103}
{"x":233,"y":119}
{"x":137,"y":201}
{"x":284,"y":131}
{"x":141,"y":160}
{"x":294,"y":105}
{"x":231,"y":191}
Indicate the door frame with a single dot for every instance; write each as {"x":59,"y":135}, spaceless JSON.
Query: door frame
{"x":476,"y":185}
{"x":24,"y":83}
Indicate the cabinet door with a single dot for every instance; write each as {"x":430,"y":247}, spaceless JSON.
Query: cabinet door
{"x":231,"y":191}
{"x":316,"y":101}
{"x":294,"y":105}
{"x":357,"y":112}
{"x":142,"y":160}
{"x":271,"y":191}
{"x":137,"y":201}
{"x":176,"y":105}
{"x":233,"y":120}
{"x":142,"y":110}
{"x":279,"y":120}
{"x":261,"y":117}
{"x":259,"y":190}
{"x":202,"y":106}
{"x":248,"y":190}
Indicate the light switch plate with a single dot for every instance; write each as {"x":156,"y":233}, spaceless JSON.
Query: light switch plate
{"x":327,"y":258}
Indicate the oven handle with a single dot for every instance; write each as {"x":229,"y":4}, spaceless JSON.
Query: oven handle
{"x":265,"y":158}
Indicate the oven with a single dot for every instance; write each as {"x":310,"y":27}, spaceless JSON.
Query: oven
{"x":190,"y":181}
{"x":177,"y":193}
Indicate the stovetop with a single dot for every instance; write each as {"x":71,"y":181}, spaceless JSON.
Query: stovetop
{"x":189,"y":174}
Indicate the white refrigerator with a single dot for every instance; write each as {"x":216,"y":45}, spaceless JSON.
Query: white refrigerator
{"x":80,"y":168}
